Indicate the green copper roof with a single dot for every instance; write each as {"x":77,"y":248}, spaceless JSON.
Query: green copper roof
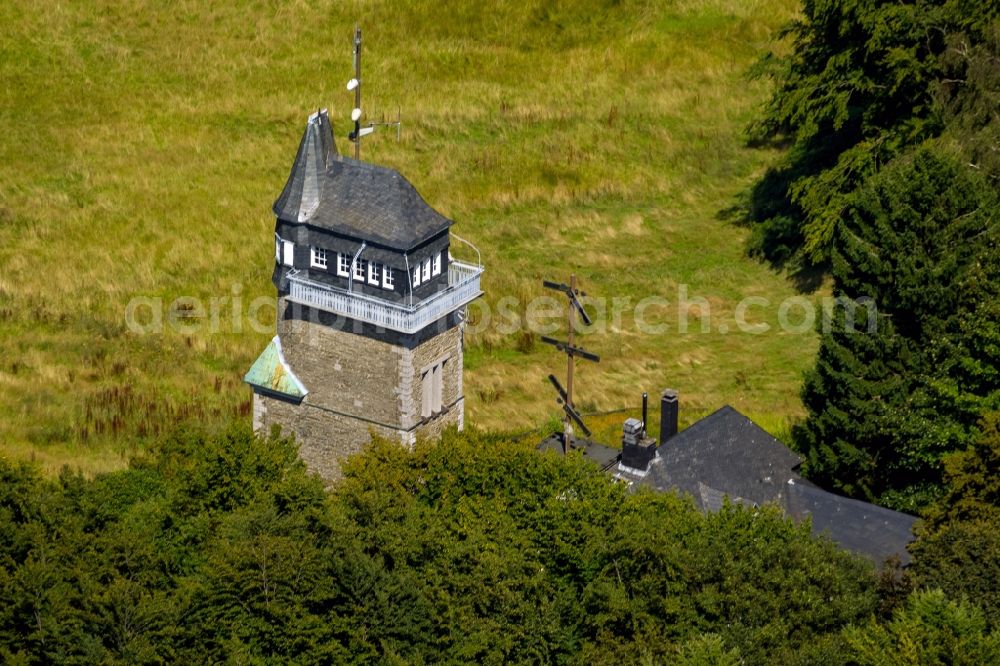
{"x":271,"y":372}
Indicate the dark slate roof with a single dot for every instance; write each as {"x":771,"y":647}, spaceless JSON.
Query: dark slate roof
{"x":727,"y":452}
{"x":603,"y":456}
{"x":300,"y":198}
{"x":712,"y":499}
{"x":354,"y":198}
{"x":727,"y":456}
{"x":858,"y":526}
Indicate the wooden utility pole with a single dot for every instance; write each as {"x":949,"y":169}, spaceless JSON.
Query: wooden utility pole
{"x":575,"y":308}
{"x":569,"y":341}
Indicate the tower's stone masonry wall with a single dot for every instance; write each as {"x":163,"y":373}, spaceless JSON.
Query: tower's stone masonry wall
{"x":325,"y":439}
{"x":345,"y":372}
{"x":360,"y":383}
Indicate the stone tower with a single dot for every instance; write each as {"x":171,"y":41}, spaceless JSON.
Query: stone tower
{"x":370,"y":310}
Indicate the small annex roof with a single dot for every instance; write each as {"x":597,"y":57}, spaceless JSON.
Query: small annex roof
{"x":728,"y":452}
{"x":603,"y":456}
{"x":726,"y":456}
{"x":272,"y":374}
{"x":354,"y":198}
{"x":874,"y":531}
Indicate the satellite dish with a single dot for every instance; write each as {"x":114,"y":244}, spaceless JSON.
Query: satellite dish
{"x":356,"y":115}
{"x":352,"y":84}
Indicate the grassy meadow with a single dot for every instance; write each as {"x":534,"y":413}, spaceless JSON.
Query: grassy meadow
{"x":142,"y":144}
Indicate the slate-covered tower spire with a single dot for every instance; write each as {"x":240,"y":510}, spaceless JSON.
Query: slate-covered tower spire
{"x":300,"y":198}
{"x":370,"y":309}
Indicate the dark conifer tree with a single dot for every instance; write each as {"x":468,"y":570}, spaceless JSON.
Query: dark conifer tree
{"x":865,"y":82}
{"x":885,"y":406}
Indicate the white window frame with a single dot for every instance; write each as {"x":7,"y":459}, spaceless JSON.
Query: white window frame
{"x":288,"y":252}
{"x":343,"y":264}
{"x":436,"y":270}
{"x":416,"y":275}
{"x":374,"y":273}
{"x":388,"y":281}
{"x":277,"y":249}
{"x":426,"y":270}
{"x":317,"y":257}
{"x":359,"y":269}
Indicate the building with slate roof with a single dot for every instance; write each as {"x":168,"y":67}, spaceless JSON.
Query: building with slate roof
{"x":370,"y":309}
{"x":726,"y":456}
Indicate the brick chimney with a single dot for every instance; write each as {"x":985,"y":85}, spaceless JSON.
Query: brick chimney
{"x":668,"y":415}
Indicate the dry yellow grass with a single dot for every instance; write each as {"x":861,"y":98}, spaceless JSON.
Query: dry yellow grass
{"x":142,"y":144}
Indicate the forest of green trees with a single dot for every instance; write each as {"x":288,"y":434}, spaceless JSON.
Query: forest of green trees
{"x":469,"y":550}
{"x":476,"y":549}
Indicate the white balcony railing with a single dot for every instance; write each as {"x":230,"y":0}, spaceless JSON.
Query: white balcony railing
{"x":463,"y":288}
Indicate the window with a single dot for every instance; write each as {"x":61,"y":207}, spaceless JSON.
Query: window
{"x":387,"y":280}
{"x":416,"y":276}
{"x":427,"y":269}
{"x":359,"y":269}
{"x":317,"y":257}
{"x":374,"y":273}
{"x":289,"y":252}
{"x":436,"y":387}
{"x":437,"y":264}
{"x":432,"y":390}
{"x":426,"y":379}
{"x":277,"y":248}
{"x":343,"y":264}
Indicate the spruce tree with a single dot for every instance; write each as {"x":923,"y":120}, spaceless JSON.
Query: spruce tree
{"x":855,"y":396}
{"x":865,"y":82}
{"x":885,"y":406}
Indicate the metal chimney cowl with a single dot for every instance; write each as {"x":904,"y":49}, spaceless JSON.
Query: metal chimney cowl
{"x":637,"y":449}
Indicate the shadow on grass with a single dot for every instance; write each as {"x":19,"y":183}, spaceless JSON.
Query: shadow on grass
{"x":775,"y":225}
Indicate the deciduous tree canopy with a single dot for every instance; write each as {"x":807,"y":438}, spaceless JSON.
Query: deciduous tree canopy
{"x":474,"y":550}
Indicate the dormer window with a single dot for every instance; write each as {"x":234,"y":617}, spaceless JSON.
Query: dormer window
{"x":317,"y":257}
{"x":288,"y":252}
{"x":437,"y":264}
{"x":343,"y":264}
{"x":387,"y":280}
{"x":374,"y":273}
{"x":359,"y":269}
{"x":427,"y":269}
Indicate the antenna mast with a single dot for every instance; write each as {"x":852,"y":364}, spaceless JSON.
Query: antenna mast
{"x":356,"y":113}
{"x":355,"y":85}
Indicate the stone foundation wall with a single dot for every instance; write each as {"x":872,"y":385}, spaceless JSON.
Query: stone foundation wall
{"x":325,"y":438}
